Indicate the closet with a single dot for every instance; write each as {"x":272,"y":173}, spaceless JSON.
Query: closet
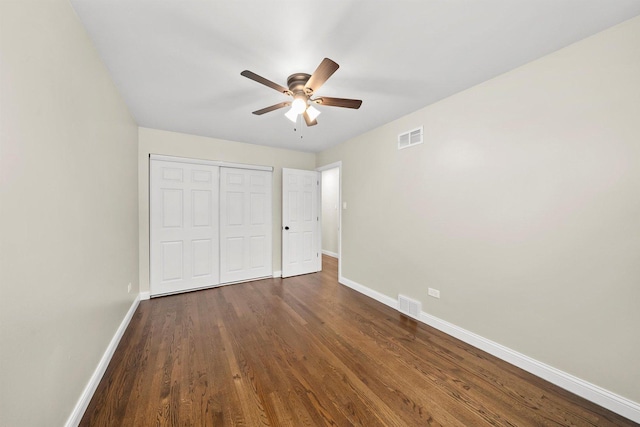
{"x":210,"y":223}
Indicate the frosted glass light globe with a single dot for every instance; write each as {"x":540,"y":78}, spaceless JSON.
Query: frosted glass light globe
{"x":292,"y":115}
{"x":313,"y":112}
{"x":298,"y":105}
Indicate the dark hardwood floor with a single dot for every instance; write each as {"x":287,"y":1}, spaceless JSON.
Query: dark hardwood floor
{"x":307,"y":351}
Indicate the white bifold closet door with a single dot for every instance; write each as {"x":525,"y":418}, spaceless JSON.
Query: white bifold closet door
{"x":245,"y":224}
{"x":209,"y":224}
{"x":184,"y":226}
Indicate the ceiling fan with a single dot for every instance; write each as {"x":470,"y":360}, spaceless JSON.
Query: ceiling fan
{"x":301,"y":87}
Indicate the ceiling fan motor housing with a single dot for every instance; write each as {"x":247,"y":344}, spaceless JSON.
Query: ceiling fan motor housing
{"x":296,"y":83}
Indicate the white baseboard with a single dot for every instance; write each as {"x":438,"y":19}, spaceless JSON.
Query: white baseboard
{"x":605,"y":398}
{"x":386,"y":300}
{"x":145,"y":296}
{"x":277,"y":274}
{"x":90,"y":388}
{"x":329,"y":253}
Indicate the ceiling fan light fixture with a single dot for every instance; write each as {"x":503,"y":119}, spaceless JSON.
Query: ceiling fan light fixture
{"x":299,"y":105}
{"x":292,"y":115}
{"x":301,"y":87}
{"x":312,"y":112}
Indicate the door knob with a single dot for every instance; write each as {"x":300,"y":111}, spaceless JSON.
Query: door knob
{"x":287,"y":227}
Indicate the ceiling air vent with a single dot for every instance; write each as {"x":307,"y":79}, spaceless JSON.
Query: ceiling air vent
{"x":410,"y":138}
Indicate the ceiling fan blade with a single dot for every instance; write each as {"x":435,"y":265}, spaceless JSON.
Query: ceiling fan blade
{"x":326,"y":68}
{"x":308,"y":120}
{"x":253,"y":76}
{"x":271,"y":108}
{"x":339,"y":102}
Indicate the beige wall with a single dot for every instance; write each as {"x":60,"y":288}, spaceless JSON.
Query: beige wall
{"x":68,"y":215}
{"x":152,"y":141}
{"x":522,"y":207}
{"x":330,"y":202}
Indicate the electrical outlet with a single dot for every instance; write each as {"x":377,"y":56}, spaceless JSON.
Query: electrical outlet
{"x":129,"y":288}
{"x":434,"y":293}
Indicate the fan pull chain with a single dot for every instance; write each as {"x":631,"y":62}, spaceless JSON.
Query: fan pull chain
{"x":295,"y":129}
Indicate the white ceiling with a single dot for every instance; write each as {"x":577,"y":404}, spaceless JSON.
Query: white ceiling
{"x":177,"y":63}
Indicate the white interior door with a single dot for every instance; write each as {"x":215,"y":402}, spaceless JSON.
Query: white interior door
{"x":245,"y":224}
{"x":300,"y":222}
{"x":183,"y":226}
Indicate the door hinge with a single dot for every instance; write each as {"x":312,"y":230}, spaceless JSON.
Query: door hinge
{"x":317,"y":254}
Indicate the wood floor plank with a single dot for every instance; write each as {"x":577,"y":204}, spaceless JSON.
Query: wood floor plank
{"x":307,"y":351}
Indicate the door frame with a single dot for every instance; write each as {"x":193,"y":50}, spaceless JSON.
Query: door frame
{"x":320,"y":169}
{"x":208,"y":162}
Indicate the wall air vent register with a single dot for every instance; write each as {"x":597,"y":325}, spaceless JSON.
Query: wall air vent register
{"x":409,"y":306}
{"x":410,"y":138}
